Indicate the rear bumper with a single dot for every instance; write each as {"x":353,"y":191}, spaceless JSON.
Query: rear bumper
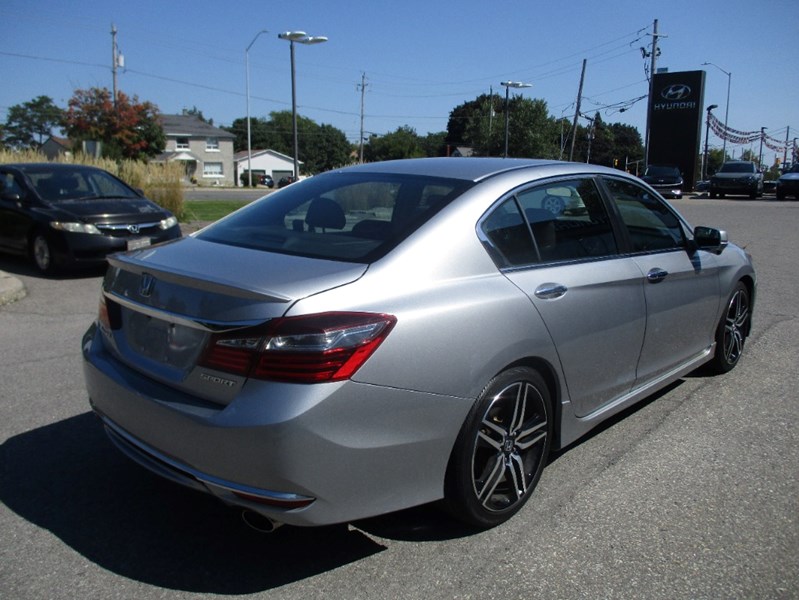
{"x":334,"y":452}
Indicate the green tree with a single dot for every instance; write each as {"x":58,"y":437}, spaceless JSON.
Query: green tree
{"x":30,"y":123}
{"x":131,"y":129}
{"x":434,"y":144}
{"x":319,"y":147}
{"x":715,"y":158}
{"x":627,"y":144}
{"x":402,"y":143}
{"x":480,"y":124}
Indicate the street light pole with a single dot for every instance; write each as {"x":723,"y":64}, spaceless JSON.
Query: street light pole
{"x":760,"y":157}
{"x":302,"y":38}
{"x":249,"y":135}
{"x":707,"y":131}
{"x":726,"y":109}
{"x":507,"y":85}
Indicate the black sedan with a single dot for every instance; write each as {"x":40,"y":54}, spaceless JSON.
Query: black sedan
{"x":66,"y":214}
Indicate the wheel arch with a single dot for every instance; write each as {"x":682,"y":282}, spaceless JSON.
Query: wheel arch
{"x":552,"y":381}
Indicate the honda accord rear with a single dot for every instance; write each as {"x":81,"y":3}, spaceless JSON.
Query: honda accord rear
{"x":398,"y":333}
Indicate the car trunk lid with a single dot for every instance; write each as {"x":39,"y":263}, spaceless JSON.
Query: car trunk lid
{"x":163,"y":304}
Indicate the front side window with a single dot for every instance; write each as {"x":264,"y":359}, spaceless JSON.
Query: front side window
{"x":212,"y":144}
{"x":337,"y":216}
{"x":182,"y":143}
{"x":213,"y":169}
{"x":565,"y":220}
{"x":650,"y":224}
{"x":9,"y":185}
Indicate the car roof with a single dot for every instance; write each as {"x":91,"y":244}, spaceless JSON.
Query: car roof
{"x":470,"y":168}
{"x":47,"y":166}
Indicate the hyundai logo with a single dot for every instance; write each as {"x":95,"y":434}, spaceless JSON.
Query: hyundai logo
{"x":677,"y":91}
{"x":146,"y":285}
{"x":134,"y":229}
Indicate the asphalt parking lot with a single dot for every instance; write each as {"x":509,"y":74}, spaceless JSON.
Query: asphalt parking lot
{"x":693,"y":494}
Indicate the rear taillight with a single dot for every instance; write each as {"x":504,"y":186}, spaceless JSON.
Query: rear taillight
{"x":108,"y":314}
{"x":323,"y":347}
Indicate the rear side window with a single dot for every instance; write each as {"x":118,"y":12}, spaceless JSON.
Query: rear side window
{"x":650,"y":224}
{"x":338,"y":216}
{"x":566,"y":220}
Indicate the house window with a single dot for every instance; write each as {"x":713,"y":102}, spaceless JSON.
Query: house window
{"x":212,"y":144}
{"x":213,"y":169}
{"x":182,"y":143}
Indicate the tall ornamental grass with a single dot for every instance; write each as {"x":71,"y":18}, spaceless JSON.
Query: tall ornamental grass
{"x":160,"y":182}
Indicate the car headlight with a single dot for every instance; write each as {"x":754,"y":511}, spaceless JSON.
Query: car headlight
{"x":75,"y":227}
{"x":168,"y":222}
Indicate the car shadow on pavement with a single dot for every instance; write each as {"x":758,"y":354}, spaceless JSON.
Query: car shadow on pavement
{"x":69,"y":479}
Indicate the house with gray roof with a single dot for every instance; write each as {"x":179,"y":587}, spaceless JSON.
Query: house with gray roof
{"x":205,"y":150}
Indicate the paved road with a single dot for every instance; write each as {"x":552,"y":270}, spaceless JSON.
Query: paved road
{"x":693,"y":495}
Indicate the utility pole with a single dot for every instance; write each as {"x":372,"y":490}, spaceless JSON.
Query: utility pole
{"x":117,"y":60}
{"x":490,"y":116}
{"x":362,"y":88}
{"x":653,"y":56}
{"x":577,"y":111}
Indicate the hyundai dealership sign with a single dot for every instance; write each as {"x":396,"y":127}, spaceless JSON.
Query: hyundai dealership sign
{"x":675,"y":121}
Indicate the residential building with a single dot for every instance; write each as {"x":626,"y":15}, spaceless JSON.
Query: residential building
{"x":206,"y":151}
{"x":264,"y":162}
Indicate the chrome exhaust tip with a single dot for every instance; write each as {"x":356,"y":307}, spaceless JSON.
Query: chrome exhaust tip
{"x":259,"y":522}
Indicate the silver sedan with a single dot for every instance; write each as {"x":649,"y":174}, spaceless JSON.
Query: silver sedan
{"x":399,"y":333}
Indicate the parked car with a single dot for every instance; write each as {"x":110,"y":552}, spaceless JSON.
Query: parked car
{"x":287,"y":180}
{"x":737,"y":177}
{"x":666,"y":179}
{"x":397,"y":333}
{"x":66,"y":214}
{"x":267,"y":181}
{"x":788,"y":183}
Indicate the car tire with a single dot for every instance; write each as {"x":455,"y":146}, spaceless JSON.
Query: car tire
{"x":501,"y":449}
{"x":42,"y":255}
{"x":780,"y":195}
{"x":732,"y":330}
{"x":712,"y":193}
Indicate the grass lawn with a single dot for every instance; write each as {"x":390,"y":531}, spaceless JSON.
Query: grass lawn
{"x":210,"y":210}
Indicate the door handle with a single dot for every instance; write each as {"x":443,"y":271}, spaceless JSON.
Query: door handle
{"x":656,"y":275}
{"x":550,"y":291}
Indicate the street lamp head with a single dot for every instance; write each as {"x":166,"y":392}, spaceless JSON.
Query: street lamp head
{"x":292,"y":36}
{"x":711,"y":107}
{"x":515,"y":84}
{"x":312,"y":39}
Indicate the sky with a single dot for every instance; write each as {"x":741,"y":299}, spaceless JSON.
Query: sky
{"x":418,"y":59}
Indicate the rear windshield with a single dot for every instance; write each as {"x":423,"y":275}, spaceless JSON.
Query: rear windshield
{"x":743,"y":167}
{"x":338,"y":216}
{"x":659,"y":171}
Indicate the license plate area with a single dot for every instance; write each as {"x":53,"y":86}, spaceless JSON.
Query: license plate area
{"x":136,"y":243}
{"x":170,"y":344}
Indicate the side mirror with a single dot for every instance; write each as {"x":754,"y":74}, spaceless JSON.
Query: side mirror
{"x":10,"y":197}
{"x":712,"y":240}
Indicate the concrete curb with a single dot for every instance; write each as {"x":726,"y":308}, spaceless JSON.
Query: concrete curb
{"x":11,"y":289}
